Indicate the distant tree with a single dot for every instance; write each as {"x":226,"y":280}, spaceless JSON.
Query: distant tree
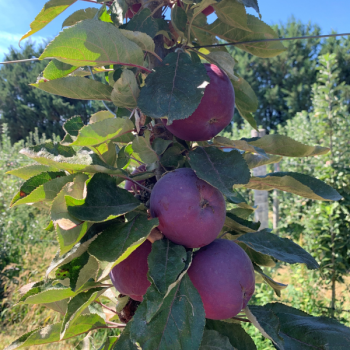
{"x":23,"y":107}
{"x":283,"y":84}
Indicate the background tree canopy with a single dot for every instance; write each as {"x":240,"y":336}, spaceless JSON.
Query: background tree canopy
{"x":23,"y":108}
{"x":283,"y":84}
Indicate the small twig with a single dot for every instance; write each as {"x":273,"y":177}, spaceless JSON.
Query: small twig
{"x":104,"y":103}
{"x":241,"y":319}
{"x":106,"y":307}
{"x":137,"y":183}
{"x":116,"y":325}
{"x":139,"y":161}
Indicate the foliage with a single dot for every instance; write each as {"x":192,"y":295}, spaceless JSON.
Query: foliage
{"x":99,"y":224}
{"x":24,"y":108}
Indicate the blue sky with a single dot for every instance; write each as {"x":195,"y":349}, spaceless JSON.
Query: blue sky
{"x":15,"y":17}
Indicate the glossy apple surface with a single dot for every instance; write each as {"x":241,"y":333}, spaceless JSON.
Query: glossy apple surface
{"x":224,"y":277}
{"x":130,"y":276}
{"x":190,"y":211}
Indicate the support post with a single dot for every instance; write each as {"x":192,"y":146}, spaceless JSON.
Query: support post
{"x":276,"y":203}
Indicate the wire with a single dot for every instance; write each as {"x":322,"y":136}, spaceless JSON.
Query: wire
{"x":277,"y":39}
{"x":104,"y":103}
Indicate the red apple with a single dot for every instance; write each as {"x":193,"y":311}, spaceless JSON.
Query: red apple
{"x":132,"y":11}
{"x":129,"y":185}
{"x":224,"y":277}
{"x":130,"y":276}
{"x":190,"y":211}
{"x":214,"y":112}
{"x":208,"y":10}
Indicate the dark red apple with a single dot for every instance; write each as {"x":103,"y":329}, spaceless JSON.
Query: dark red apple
{"x":190,"y":211}
{"x":130,"y":276}
{"x":129,"y":185}
{"x":224,"y":277}
{"x":133,"y":10}
{"x":208,"y":10}
{"x":214,"y":112}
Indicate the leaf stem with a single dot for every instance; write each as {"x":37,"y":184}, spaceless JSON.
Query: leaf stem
{"x":116,"y":325}
{"x":240,"y":319}
{"x":138,"y":184}
{"x":106,"y":307}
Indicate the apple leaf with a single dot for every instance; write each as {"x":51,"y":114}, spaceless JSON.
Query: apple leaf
{"x":199,"y":35}
{"x":282,"y":249}
{"x":124,"y":342}
{"x":126,"y":90}
{"x":100,"y":116}
{"x":232,"y":13}
{"x":256,"y":257}
{"x":238,"y":226}
{"x":94,"y":43}
{"x":111,"y":342}
{"x":175,"y":89}
{"x":49,"y":12}
{"x":237,"y":144}
{"x":285,"y":146}
{"x":29,"y":171}
{"x":56,"y":69}
{"x":180,"y":321}
{"x":119,"y":240}
{"x":259,"y":31}
{"x":277,"y":287}
{"x":73,"y":125}
{"x":239,"y":339}
{"x":300,"y":184}
{"x":143,"y":22}
{"x":159,"y":145}
{"x":213,"y":340}
{"x":80,"y":15}
{"x":142,"y":147}
{"x":255,"y":160}
{"x":220,"y":169}
{"x":77,"y":88}
{"x":102,"y":131}
{"x":165,"y":262}
{"x":178,"y":19}
{"x":141,"y":39}
{"x":251,"y":3}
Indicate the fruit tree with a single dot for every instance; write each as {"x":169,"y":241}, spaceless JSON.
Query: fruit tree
{"x":138,"y":196}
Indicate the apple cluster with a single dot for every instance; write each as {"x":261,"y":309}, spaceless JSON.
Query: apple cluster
{"x":192,"y":213}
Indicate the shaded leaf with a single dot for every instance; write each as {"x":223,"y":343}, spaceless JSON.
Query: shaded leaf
{"x":142,"y":147}
{"x":143,"y":22}
{"x":80,"y":15}
{"x":239,"y":339}
{"x":124,"y":154}
{"x":238,"y":225}
{"x":250,"y":3}
{"x":213,"y":340}
{"x":73,"y":125}
{"x":124,"y":342}
{"x":77,"y":88}
{"x":100,"y":116}
{"x":110,"y":343}
{"x":175,"y":89}
{"x":238,"y":144}
{"x":178,"y":19}
{"x":256,"y":257}
{"x":173,"y":157}
{"x":300,"y":184}
{"x":94,"y":43}
{"x":255,"y":160}
{"x":126,"y":90}
{"x":276,"y":286}
{"x":221,"y":170}
{"x":29,"y":171}
{"x":102,"y":131}
{"x":141,"y":39}
{"x":225,"y":61}
{"x":282,"y":249}
{"x":56,"y":69}
{"x":104,"y":200}
{"x":159,"y":145}
{"x":49,"y":12}
{"x":179,"y":322}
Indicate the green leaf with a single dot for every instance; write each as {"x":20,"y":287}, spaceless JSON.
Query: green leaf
{"x":29,"y":171}
{"x":107,"y":152}
{"x":175,"y":89}
{"x":213,"y":340}
{"x":220,"y":169}
{"x":165,"y":262}
{"x":159,"y":145}
{"x":142,"y":147}
{"x":104,"y":200}
{"x":126,"y":90}
{"x":46,"y":292}
{"x":259,"y":31}
{"x":141,"y":39}
{"x":49,"y":12}
{"x":76,"y":88}
{"x":250,"y":3}
{"x":246,"y":100}
{"x":80,"y":15}
{"x":111,"y":342}
{"x":277,"y":287}
{"x":58,"y":306}
{"x":124,"y":342}
{"x":95,"y":43}
{"x":239,"y":339}
{"x":285,"y":146}
{"x":56,"y":69}
{"x":198,"y":35}
{"x":256,"y":257}
{"x":143,"y":22}
{"x":41,"y":188}
{"x":179,"y":19}
{"x":300,"y":184}
{"x":255,"y":160}
{"x":225,"y":61}
{"x":73,"y":125}
{"x":238,"y":225}
{"x":100,"y":116}
{"x":237,"y":144}
{"x":173,"y":157}
{"x":179,"y":322}
{"x":124,"y":154}
{"x":232,"y":13}
{"x":65,"y":158}
{"x":102,"y":131}
{"x":77,"y":305}
{"x":282,"y":249}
